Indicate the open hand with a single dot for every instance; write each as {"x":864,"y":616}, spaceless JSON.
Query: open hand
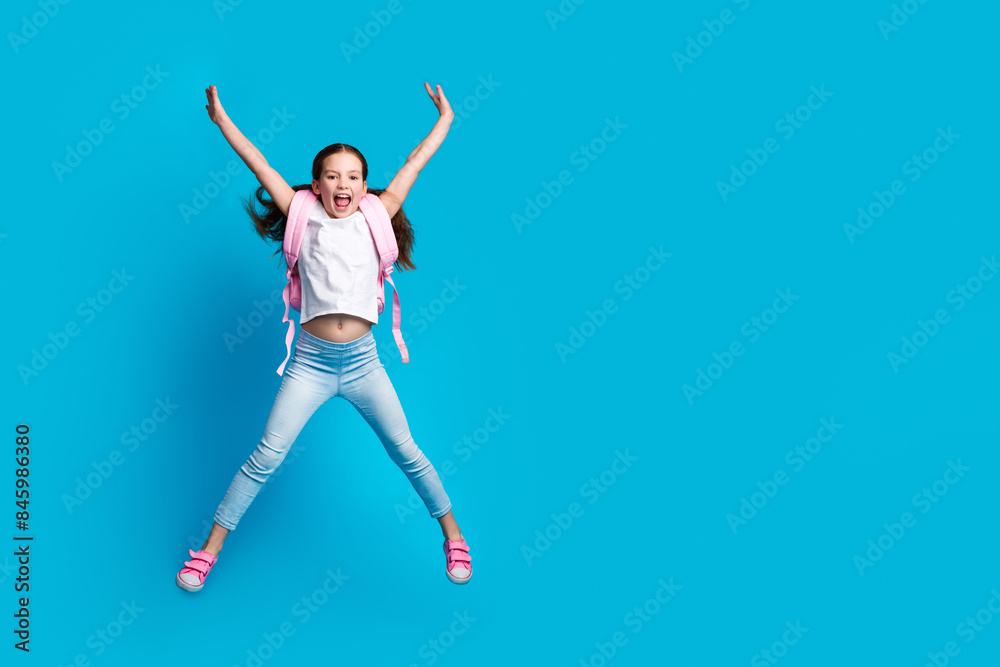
{"x":214,"y":106}
{"x":440,"y":101}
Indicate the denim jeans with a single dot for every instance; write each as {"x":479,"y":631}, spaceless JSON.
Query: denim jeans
{"x":319,"y":370}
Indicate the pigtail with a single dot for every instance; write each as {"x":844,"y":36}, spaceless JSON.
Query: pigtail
{"x":403,"y":232}
{"x":271,"y":224}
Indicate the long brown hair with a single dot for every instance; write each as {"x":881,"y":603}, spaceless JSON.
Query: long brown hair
{"x":271,"y":225}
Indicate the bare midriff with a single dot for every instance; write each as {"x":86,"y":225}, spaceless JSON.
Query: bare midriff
{"x":337,"y":327}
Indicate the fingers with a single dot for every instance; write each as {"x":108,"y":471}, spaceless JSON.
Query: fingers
{"x":436,"y":98}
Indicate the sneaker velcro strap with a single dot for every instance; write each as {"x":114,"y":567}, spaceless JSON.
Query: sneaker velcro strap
{"x":458,"y":555}
{"x":199,"y":565}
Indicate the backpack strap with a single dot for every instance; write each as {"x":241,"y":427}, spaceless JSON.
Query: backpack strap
{"x":295,"y":226}
{"x":385,"y":243}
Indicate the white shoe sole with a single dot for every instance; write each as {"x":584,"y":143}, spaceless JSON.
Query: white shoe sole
{"x":186,"y":586}
{"x":456,"y":580}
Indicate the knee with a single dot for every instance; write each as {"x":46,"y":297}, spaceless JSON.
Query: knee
{"x":409,"y":457}
{"x":402,"y":448}
{"x":263,"y":461}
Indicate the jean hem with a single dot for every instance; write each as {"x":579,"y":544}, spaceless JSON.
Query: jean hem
{"x":223,"y":524}
{"x":441,"y":513}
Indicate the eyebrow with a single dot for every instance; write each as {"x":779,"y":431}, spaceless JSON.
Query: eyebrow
{"x":352,"y":171}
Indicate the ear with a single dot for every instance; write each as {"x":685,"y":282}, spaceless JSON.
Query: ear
{"x":315,"y":187}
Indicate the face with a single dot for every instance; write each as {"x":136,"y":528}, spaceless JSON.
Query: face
{"x":341,"y":176}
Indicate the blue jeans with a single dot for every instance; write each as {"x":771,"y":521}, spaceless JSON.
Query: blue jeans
{"x":319,"y":370}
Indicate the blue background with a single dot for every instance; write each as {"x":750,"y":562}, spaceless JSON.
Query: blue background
{"x":558,"y":595}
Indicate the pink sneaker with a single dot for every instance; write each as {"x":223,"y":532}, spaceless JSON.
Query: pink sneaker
{"x":192,"y":575}
{"x":459,"y":566}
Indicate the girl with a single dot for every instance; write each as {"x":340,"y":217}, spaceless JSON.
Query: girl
{"x":335,"y":353}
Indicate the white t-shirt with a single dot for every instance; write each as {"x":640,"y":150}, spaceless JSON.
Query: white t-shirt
{"x":338,"y":266}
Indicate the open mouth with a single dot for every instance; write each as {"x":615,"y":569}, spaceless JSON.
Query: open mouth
{"x":341,"y":202}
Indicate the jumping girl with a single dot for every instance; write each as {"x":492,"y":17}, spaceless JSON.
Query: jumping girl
{"x":335,"y":353}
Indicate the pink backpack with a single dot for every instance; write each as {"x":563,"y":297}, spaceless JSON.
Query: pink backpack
{"x":385,"y":243}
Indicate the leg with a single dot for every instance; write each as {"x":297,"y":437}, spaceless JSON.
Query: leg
{"x":374,"y":397}
{"x":448,"y":527}
{"x":303,"y":389}
{"x":213,"y":544}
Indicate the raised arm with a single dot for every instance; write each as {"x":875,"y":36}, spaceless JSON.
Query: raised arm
{"x":394,"y":194}
{"x":281,"y":193}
